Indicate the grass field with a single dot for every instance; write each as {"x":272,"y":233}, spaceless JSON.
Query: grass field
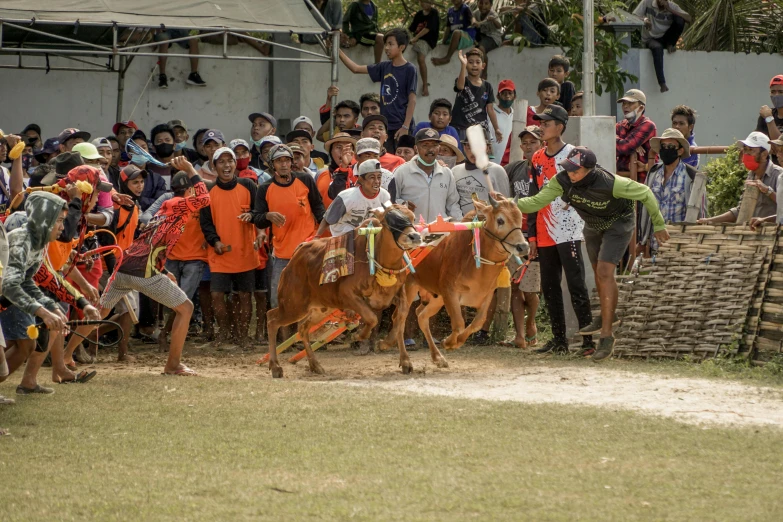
{"x":138,"y":447}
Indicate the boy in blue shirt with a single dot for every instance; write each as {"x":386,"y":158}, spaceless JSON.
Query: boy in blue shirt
{"x":460,"y":33}
{"x":398,"y":79}
{"x":440,"y":117}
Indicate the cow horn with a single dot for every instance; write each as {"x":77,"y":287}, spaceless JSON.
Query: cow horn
{"x":493,"y":201}
{"x":516,"y":200}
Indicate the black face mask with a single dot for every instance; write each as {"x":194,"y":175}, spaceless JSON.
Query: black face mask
{"x":669,"y":155}
{"x":164,"y":150}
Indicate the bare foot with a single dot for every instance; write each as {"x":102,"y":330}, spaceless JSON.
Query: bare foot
{"x":439,"y":61}
{"x":62,"y":376}
{"x":519,"y":342}
{"x":124,"y":357}
{"x":664,"y":88}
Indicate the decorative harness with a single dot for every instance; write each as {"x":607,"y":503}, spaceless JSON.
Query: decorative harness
{"x":387,"y":276}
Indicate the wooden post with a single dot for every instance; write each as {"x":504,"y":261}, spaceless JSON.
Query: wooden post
{"x":698,"y":189}
{"x":634,"y":176}
{"x":748,"y":204}
{"x":519,"y":123}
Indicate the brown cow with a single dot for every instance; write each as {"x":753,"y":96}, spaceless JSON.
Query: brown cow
{"x":302,"y":298}
{"x":449,"y":274}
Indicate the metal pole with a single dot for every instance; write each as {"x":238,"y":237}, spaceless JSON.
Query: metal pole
{"x":588,"y":61}
{"x":120,"y":87}
{"x":335,"y":64}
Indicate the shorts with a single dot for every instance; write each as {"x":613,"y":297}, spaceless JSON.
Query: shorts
{"x":173,"y":34}
{"x":158,"y":288}
{"x":188,"y":274}
{"x":609,"y":245}
{"x":242,"y":281}
{"x":421,"y":47}
{"x":262,"y":280}
{"x":531,"y":281}
{"x":465,"y":41}
{"x":206,"y":274}
{"x":367,"y":39}
{"x":14,"y":323}
{"x":487,"y":43}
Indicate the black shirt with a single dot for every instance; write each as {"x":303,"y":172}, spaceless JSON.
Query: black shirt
{"x":762,"y":125}
{"x":431,"y":22}
{"x":470,"y":105}
{"x":567,"y":92}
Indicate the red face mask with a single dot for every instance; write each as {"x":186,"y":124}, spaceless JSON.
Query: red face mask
{"x":750,"y":162}
{"x":242,"y":163}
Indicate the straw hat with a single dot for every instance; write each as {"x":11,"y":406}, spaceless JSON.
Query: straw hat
{"x":451,"y":143}
{"x":340,"y":137}
{"x":671,"y":134}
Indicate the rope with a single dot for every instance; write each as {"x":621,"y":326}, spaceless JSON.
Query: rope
{"x":33,"y":330}
{"x":152,"y":73}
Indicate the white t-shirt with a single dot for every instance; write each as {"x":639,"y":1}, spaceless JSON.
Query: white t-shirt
{"x":506,"y":126}
{"x":474,"y":181}
{"x":350,"y":208}
{"x":6,"y":180}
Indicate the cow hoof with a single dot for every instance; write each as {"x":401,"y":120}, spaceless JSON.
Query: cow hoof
{"x":277,"y":372}
{"x":316,"y":367}
{"x":407,"y":368}
{"x":442,"y":363}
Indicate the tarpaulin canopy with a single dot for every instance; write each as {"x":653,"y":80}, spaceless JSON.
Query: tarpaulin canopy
{"x":272,"y":16}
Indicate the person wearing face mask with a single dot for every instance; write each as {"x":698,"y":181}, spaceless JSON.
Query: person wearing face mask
{"x":242,"y":151}
{"x":163,"y":143}
{"x":154,"y":185}
{"x":633,"y":134}
{"x":670,"y":181}
{"x":771,"y":118}
{"x":425,"y":183}
{"x":181,"y":138}
{"x":449,"y":154}
{"x":762,"y":174}
{"x":776,"y":152}
{"x":504,"y":112}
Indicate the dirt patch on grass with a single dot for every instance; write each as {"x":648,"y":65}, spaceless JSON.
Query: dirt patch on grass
{"x":496,"y":374}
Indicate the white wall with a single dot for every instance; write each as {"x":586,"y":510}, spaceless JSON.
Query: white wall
{"x":726,"y":89}
{"x":87,"y":100}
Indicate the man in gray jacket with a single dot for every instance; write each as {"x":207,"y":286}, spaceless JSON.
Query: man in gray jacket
{"x":423,"y":182}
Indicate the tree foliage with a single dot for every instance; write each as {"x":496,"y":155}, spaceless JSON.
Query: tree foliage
{"x":726,"y":176}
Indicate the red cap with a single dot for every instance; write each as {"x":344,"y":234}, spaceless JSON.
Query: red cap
{"x":506,"y":85}
{"x":777,"y":80}
{"x":128,"y":123}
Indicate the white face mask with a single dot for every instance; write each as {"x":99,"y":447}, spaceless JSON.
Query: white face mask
{"x":631,"y":116}
{"x":450,"y":161}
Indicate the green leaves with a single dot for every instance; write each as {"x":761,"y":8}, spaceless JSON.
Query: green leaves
{"x":726,"y":176}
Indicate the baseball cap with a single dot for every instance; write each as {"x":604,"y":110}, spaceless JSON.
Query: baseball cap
{"x":427,"y":134}
{"x":179,"y":181}
{"x":127,"y":123}
{"x":101,"y":142}
{"x":579,"y":157}
{"x":212,"y":135}
{"x":506,"y":85}
{"x":178,"y":123}
{"x":368,"y":145}
{"x":776,"y":80}
{"x":533,"y":130}
{"x":268,"y":117}
{"x":354,"y":133}
{"x":280,"y":151}
{"x":239,"y":142}
{"x":221,"y":151}
{"x":87,"y":151}
{"x":300,"y":133}
{"x":303,"y":119}
{"x":451,"y":142}
{"x":66,"y":161}
{"x":50,"y":146}
{"x":32,"y":127}
{"x":553,"y":112}
{"x":138,"y":135}
{"x":369,"y":166}
{"x":71,"y":133}
{"x":756,"y":140}
{"x":131,"y":171}
{"x":295,"y":148}
{"x":274,"y":140}
{"x":375,"y":117}
{"x":406,"y":140}
{"x":634,"y":95}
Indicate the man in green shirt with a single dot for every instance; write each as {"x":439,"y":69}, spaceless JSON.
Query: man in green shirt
{"x":606,"y":204}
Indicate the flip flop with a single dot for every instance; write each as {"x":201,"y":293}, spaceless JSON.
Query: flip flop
{"x":532,"y":340}
{"x":6,"y":400}
{"x":183,"y":372}
{"x":82,"y":378}
{"x":71,"y":367}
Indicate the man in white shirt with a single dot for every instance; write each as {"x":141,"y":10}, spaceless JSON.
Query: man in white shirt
{"x":504,"y":112}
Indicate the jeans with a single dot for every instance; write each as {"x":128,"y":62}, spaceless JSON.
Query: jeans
{"x":277,"y":268}
{"x":188,"y":274}
{"x":657,"y":46}
{"x":554,"y":260}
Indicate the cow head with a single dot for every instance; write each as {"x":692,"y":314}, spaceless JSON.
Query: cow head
{"x":504,"y":224}
{"x":398,"y":219}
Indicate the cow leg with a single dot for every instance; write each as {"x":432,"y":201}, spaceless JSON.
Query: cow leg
{"x":457,"y":320}
{"x":398,"y":327}
{"x":476,"y":324}
{"x":274,"y":320}
{"x":409,"y":291}
{"x":369,"y":318}
{"x":304,"y":333}
{"x":423,"y":314}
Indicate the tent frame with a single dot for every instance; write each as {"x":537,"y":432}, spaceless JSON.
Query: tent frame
{"x":121,"y":53}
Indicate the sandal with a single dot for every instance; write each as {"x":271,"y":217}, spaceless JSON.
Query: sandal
{"x":532,"y":340}
{"x":71,"y":367}
{"x":6,"y":400}
{"x":82,"y":378}
{"x":21,"y":390}
{"x":183,"y":372}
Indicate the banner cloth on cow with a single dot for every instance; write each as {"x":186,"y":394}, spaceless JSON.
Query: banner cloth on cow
{"x":338,"y":259}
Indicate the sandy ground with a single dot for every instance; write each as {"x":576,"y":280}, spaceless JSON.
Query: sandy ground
{"x":496,"y":374}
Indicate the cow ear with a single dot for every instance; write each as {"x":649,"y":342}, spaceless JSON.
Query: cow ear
{"x":481,"y":207}
{"x":378,"y":213}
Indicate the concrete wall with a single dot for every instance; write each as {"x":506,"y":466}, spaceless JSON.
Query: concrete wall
{"x":726,"y":89}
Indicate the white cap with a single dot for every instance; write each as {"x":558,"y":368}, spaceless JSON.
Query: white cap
{"x":221,"y":151}
{"x":368,"y":145}
{"x":238,"y":142}
{"x":757,"y":140}
{"x":274,"y":140}
{"x":368,"y":166}
{"x":101,"y":142}
{"x":302,"y":119}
